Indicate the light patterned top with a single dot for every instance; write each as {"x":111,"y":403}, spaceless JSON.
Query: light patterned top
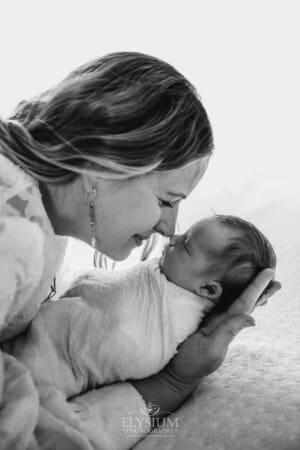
{"x":30,"y":256}
{"x":30,"y":252}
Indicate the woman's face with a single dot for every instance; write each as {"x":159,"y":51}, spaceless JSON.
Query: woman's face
{"x":128,"y":211}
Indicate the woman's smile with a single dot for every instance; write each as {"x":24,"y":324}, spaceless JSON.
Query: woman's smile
{"x":139,"y":239}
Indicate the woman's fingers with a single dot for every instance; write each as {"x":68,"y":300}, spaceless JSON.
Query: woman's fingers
{"x":223,"y":335}
{"x":274,"y":287}
{"x":261,"y":302}
{"x":247,"y":300}
{"x":210,"y":323}
{"x":231,"y":327}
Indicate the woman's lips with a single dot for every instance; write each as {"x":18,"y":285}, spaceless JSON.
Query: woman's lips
{"x":138,"y":240}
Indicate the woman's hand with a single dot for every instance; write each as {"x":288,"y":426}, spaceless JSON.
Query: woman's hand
{"x":204,"y":351}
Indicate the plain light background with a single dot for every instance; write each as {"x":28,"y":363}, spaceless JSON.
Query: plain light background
{"x":242,"y":56}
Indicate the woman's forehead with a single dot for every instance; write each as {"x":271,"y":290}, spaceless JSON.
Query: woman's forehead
{"x":183,"y":180}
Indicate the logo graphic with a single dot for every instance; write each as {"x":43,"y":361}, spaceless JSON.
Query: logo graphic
{"x":150,"y":409}
{"x":148,"y":418}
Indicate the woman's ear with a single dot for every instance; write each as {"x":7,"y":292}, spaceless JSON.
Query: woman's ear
{"x":89,"y":186}
{"x":210,"y":290}
{"x":87,"y":182}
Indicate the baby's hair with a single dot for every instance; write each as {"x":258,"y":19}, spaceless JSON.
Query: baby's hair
{"x":242,"y":258}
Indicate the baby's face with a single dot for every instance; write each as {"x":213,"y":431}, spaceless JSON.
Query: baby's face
{"x":186,"y":259}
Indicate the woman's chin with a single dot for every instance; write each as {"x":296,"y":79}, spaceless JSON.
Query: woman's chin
{"x":118,"y":255}
{"x":121,"y":253}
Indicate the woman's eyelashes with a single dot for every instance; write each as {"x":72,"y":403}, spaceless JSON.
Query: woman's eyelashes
{"x":165,"y":203}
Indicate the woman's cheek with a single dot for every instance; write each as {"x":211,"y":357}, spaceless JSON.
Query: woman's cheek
{"x":152,"y":215}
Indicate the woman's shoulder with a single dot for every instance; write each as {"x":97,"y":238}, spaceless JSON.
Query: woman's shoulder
{"x":20,"y":233}
{"x":30,"y":252}
{"x":13,"y":179}
{"x":20,"y":195}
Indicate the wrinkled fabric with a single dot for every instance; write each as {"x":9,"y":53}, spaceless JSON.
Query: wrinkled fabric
{"x":19,"y":404}
{"x":30,"y":252}
{"x":110,"y":326}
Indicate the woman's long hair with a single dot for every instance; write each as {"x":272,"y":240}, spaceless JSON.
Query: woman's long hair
{"x":118,"y":116}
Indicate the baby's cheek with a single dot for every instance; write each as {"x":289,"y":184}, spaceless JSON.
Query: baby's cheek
{"x":168,"y":267}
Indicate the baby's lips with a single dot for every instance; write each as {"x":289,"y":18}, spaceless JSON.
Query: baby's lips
{"x":166,"y":248}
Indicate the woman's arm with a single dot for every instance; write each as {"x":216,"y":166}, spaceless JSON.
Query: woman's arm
{"x":119,"y":415}
{"x":21,"y":265}
{"x":204,"y":351}
{"x":113,"y":417}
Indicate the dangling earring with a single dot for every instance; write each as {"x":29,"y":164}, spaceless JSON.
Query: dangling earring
{"x":91,"y":198}
{"x":92,"y":215}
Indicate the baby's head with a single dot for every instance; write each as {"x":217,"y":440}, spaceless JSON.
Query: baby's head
{"x":217,"y":258}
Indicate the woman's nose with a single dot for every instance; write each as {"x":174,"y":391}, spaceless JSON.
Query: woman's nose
{"x":167,"y":222}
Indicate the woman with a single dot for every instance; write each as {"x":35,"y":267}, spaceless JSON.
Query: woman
{"x":105,"y":156}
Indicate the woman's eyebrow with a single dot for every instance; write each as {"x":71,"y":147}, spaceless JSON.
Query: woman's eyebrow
{"x":176,"y":194}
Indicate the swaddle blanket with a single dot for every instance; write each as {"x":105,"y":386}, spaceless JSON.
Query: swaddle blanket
{"x":109,"y":326}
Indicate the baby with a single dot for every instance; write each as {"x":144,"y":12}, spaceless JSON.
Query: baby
{"x":217,"y":258}
{"x":113,"y":326}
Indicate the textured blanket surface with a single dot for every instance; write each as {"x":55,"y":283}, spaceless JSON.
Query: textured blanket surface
{"x":253,"y":400}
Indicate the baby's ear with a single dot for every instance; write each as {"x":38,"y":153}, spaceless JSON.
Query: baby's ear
{"x":211,"y":290}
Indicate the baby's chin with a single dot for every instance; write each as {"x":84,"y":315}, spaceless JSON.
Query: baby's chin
{"x":164,"y":269}
{"x":164,"y":260}
{"x":168,"y":266}
{"x":161,"y":263}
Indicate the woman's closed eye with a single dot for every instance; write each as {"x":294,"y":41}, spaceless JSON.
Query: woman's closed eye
{"x":165,"y":203}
